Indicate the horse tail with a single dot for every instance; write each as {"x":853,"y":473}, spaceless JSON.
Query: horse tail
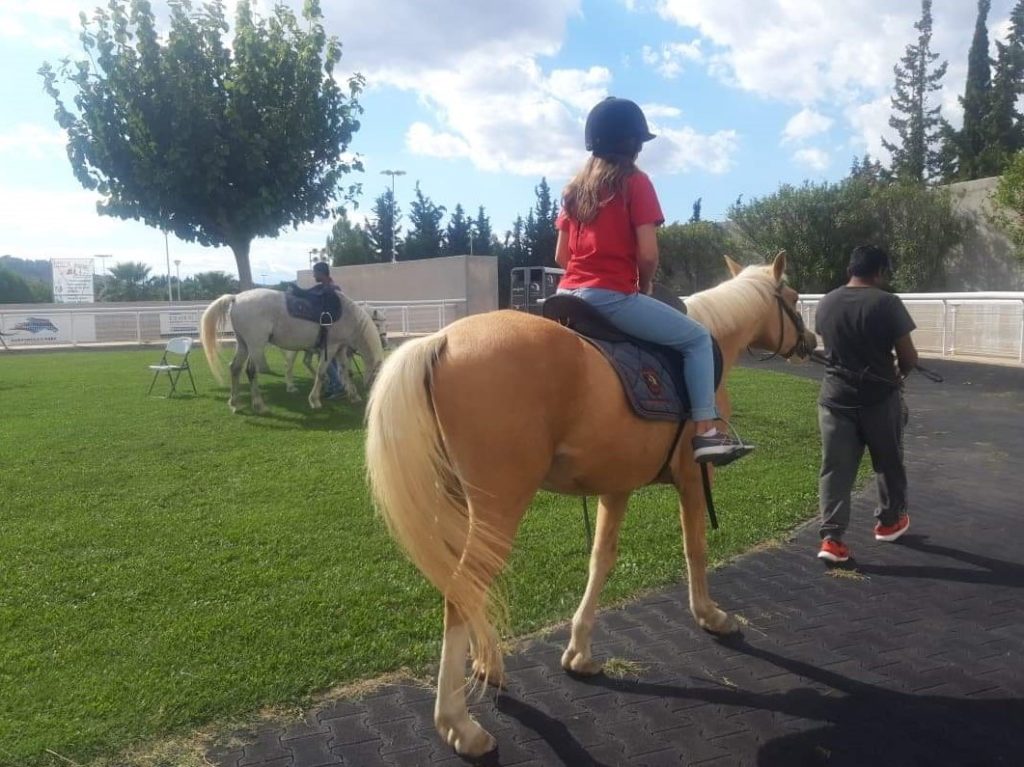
{"x":418,"y":492}
{"x":213,"y":318}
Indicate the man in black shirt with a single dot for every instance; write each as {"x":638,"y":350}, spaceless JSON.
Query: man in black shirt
{"x":860,"y":401}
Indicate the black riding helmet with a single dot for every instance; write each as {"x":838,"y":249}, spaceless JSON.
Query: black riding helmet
{"x":616,"y":127}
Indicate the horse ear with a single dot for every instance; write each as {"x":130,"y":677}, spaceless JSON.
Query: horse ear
{"x":779,"y":266}
{"x":733,"y":267}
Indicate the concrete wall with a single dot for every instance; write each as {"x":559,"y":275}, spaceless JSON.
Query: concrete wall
{"x":987,"y":260}
{"x":473,"y":278}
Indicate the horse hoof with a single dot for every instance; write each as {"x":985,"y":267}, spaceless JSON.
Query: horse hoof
{"x":494,"y":679}
{"x":577,"y":663}
{"x":470,"y":740}
{"x":720,"y":623}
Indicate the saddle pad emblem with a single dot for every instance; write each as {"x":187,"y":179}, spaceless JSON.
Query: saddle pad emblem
{"x":650,"y":377}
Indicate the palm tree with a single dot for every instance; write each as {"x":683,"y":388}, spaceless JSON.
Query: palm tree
{"x":127,"y":282}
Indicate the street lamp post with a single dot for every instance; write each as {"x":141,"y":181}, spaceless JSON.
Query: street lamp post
{"x":167,"y":252}
{"x":394,"y":224}
{"x":177,"y":269}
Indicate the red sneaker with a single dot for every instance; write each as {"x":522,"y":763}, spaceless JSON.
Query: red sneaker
{"x":834,"y":551}
{"x":892,"y":532}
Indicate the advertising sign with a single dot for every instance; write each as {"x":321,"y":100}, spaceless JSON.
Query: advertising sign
{"x":72,"y":280}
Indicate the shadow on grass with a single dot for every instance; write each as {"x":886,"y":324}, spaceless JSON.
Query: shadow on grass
{"x":291,"y":411}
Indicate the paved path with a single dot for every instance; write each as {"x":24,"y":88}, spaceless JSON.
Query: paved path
{"x":919,"y":660}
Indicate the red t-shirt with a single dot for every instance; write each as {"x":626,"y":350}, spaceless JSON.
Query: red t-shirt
{"x":602,"y":253}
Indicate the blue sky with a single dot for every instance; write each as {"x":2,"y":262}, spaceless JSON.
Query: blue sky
{"x":478,"y":100}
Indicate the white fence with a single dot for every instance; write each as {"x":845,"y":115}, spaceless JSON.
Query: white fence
{"x":101,"y":324}
{"x":977,"y":326}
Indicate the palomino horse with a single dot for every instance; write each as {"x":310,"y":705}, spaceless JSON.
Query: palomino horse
{"x":453,"y":466}
{"x":259,"y":317}
{"x":344,"y":358}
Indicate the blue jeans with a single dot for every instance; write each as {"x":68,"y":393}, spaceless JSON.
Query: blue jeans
{"x":651,"y":320}
{"x":334,"y":383}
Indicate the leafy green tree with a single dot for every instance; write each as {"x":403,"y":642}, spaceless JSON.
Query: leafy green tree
{"x":383,"y":227}
{"x":819,"y":224}
{"x":216,"y":143}
{"x":918,"y":126}
{"x":458,"y":233}
{"x":691,"y":255}
{"x":128,"y":281}
{"x":348,"y":244}
{"x":483,"y":237}
{"x":424,"y":238}
{"x":1010,"y":198}
{"x":15,"y":289}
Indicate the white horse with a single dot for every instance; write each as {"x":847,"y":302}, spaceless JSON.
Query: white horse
{"x":344,"y":358}
{"x":260,"y":316}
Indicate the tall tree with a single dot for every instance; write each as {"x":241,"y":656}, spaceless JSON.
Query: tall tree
{"x":916,"y":153}
{"x":216,"y":143}
{"x":482,"y":234}
{"x":1004,"y":128}
{"x":695,"y":216}
{"x":207,"y":285}
{"x":348,"y":244}
{"x":458,"y":233}
{"x":384,"y":226}
{"x":424,"y":238}
{"x":971,"y":140}
{"x":540,"y":232}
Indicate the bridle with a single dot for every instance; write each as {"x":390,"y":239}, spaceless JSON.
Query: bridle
{"x":785,"y":310}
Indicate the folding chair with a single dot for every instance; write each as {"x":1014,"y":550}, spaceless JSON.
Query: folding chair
{"x":177,"y":346}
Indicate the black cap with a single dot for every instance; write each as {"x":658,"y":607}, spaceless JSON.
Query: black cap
{"x":616,"y":126}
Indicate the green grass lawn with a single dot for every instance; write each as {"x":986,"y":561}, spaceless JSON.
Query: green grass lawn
{"x":165,"y":564}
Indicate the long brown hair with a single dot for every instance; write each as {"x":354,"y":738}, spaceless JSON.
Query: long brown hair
{"x":600,"y":180}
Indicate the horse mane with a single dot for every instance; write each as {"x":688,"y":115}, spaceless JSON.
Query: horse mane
{"x":367,"y":335}
{"x":734,"y":304}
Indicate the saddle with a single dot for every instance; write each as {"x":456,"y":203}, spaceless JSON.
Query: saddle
{"x":320,"y":304}
{"x":651,"y":374}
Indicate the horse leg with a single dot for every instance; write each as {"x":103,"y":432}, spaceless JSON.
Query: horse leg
{"x":241,"y":355}
{"x":451,"y":716}
{"x":345,"y":368}
{"x":307,"y":360}
{"x":692,"y":514}
{"x":251,"y":369}
{"x":611,"y":510}
{"x":289,"y":365}
{"x":318,"y":380}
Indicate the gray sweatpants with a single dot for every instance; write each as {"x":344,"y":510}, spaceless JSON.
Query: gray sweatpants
{"x":844,"y":435}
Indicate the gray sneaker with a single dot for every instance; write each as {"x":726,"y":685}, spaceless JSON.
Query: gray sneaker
{"x":719,"y":449}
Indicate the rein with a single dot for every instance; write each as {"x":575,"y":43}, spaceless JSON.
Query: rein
{"x":800,"y":347}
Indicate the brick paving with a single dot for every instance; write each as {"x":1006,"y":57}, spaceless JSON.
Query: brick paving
{"x":917,"y":659}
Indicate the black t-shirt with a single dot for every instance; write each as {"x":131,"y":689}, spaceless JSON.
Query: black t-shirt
{"x":859,"y":327}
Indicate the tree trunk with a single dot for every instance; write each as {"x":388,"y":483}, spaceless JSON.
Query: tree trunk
{"x":241,"y":250}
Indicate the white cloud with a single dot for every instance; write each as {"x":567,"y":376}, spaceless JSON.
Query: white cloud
{"x":805,"y":124}
{"x":816,"y":159}
{"x":655,"y":111}
{"x":842,"y":54}
{"x":422,"y":139}
{"x":31,"y":140}
{"x":669,"y":60}
{"x":684,"y":150}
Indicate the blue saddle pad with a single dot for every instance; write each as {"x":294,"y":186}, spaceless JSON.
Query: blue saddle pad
{"x":320,"y":304}
{"x":651,"y":375}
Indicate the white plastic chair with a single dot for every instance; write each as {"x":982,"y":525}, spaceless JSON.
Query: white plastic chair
{"x":178,"y":347}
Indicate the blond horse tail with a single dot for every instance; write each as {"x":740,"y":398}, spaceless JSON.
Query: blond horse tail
{"x":213,"y":318}
{"x":417,"y":490}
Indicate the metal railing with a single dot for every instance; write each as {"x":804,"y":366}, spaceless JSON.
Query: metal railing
{"x":109,"y":324}
{"x":985,"y":326}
